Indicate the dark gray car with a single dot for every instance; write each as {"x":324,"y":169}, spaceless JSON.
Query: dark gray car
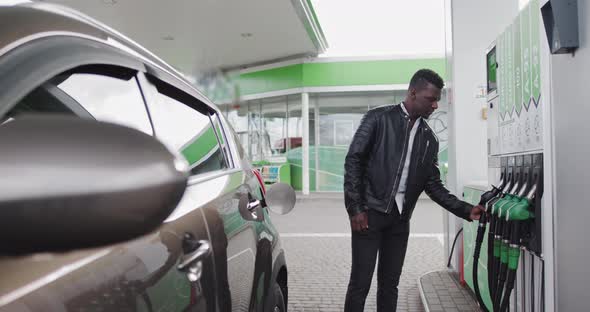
{"x":122,"y":187}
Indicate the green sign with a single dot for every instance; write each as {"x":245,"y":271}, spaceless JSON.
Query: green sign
{"x":517,"y":58}
{"x":509,"y":71}
{"x":525,"y":47}
{"x":535,"y":50}
{"x":519,"y":66}
{"x":502,"y":74}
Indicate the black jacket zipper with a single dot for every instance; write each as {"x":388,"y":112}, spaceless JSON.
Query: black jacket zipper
{"x":414,"y":160}
{"x":400,"y":166}
{"x":425,"y":151}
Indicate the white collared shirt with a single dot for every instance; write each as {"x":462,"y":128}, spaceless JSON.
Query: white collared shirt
{"x":401,"y":190}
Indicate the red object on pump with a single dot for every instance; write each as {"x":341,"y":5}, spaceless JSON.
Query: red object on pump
{"x":260,"y":180}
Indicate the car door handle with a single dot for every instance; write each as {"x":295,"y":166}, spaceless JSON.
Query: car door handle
{"x":199,"y":254}
{"x":250,"y":208}
{"x":253,"y":204}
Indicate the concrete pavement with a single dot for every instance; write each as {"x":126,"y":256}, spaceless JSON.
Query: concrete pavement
{"x":317,"y":245}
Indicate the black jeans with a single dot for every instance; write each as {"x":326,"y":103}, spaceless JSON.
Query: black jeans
{"x":387,"y":236}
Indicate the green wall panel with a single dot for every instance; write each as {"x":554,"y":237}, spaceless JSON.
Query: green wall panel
{"x":280,"y":78}
{"x":353,"y":73}
{"x":366,"y":72}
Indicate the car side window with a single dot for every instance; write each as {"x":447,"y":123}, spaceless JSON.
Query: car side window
{"x":187,"y":131}
{"x":45,"y":99}
{"x":111,"y":98}
{"x":223,"y":139}
{"x":38,"y":101}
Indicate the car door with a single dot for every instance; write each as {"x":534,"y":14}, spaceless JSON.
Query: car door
{"x":168,"y":286}
{"x":251,"y":236}
{"x":170,"y":269}
{"x":233,"y":213}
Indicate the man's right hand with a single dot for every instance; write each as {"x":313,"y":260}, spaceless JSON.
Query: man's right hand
{"x":359,"y":222}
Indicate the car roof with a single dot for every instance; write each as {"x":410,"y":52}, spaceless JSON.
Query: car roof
{"x":22,"y":23}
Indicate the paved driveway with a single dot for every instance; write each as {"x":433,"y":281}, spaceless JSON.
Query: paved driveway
{"x":317,"y":244}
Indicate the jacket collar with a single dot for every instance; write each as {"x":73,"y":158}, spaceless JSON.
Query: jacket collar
{"x":405,"y":113}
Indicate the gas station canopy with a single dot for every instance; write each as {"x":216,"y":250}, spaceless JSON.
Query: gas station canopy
{"x":207,"y":35}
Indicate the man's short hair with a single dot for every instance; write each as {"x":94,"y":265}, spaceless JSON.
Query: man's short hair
{"x":424,"y":76}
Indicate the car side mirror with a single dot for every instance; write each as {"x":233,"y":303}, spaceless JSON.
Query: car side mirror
{"x":280,"y":198}
{"x":70,"y":183}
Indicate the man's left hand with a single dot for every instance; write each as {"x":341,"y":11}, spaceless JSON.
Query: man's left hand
{"x":476,"y":212}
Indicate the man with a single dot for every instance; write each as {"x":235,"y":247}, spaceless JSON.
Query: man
{"x":391,"y":160}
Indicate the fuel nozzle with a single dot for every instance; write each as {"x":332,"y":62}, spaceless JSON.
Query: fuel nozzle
{"x":485,"y":200}
{"x":495,"y":234}
{"x":505,"y":191}
{"x":502,"y":236}
{"x":502,"y":247}
{"x":532,"y":193}
{"x":489,"y":195}
{"x":519,"y":212}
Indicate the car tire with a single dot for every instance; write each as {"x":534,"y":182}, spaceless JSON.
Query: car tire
{"x":277,"y":300}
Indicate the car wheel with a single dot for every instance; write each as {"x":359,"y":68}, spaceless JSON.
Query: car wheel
{"x":278,"y":301}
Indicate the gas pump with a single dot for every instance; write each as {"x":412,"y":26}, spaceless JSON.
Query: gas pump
{"x":515,"y":155}
{"x":510,"y":210}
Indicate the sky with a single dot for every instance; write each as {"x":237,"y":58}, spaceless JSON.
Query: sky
{"x":382,"y":27}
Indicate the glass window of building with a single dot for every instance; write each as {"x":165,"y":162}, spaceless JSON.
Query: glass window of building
{"x":237,"y":116}
{"x":339,"y":117}
{"x":271,"y":131}
{"x":274,"y":125}
{"x":256,"y":140}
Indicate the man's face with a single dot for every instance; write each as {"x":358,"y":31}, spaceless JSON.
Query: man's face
{"x":426,"y":100}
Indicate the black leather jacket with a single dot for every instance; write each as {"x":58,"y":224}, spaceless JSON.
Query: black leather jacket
{"x":374,"y":165}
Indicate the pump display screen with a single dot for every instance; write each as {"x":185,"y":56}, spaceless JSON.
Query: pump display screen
{"x":492,"y":65}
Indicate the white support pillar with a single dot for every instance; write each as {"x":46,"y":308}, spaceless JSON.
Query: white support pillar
{"x":316,"y":118}
{"x":305,"y":151}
